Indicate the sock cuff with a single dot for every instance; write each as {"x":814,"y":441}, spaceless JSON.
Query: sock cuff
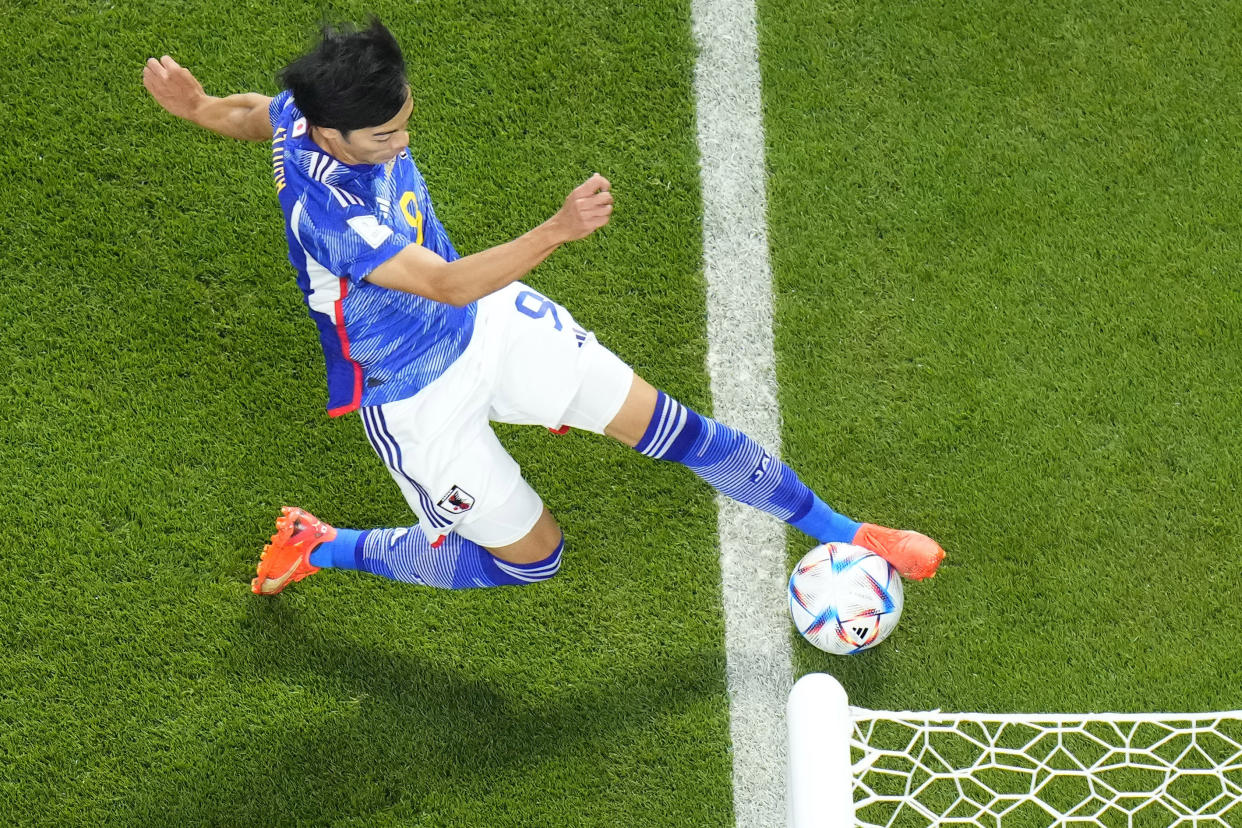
{"x":672,"y":431}
{"x":536,"y":570}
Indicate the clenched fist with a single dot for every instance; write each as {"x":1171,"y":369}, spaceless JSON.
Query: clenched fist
{"x":586,"y":209}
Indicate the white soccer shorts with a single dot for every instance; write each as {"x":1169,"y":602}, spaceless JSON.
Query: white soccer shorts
{"x":528,"y":362}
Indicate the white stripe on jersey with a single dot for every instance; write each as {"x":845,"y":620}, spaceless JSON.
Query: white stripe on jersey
{"x":325,"y":286}
{"x":324,"y":167}
{"x":340,"y":197}
{"x":313,"y":161}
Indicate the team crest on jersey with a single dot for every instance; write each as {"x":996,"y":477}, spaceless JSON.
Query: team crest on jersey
{"x":299,"y":127}
{"x":457,"y":500}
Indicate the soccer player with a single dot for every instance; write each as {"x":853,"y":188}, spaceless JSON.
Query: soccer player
{"x":430,"y":346}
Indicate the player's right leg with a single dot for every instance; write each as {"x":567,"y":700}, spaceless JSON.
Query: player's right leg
{"x":557,"y":374}
{"x":659,"y":427}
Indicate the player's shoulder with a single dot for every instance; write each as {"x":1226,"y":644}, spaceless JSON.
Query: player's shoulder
{"x":324,"y":182}
{"x":283,"y":112}
{"x":327,"y":207}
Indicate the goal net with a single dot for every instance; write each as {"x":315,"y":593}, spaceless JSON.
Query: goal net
{"x":882,"y":769}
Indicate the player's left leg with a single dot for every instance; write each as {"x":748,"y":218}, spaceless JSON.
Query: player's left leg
{"x":499,"y":548}
{"x":659,"y":427}
{"x":480,"y":523}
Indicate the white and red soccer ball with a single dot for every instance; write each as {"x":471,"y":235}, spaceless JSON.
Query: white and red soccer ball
{"x":844,"y":598}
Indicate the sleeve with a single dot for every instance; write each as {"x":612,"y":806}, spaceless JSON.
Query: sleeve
{"x":440,"y":241}
{"x":349,"y":241}
{"x":277,"y":106}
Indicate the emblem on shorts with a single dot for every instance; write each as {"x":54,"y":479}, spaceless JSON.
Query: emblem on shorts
{"x":456,"y":501}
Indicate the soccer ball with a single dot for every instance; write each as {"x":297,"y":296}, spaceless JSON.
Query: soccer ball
{"x":844,"y":598}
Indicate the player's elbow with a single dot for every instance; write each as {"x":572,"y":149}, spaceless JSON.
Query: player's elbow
{"x":247,"y":118}
{"x":456,"y":294}
{"x":451,"y":283}
{"x":418,"y":270}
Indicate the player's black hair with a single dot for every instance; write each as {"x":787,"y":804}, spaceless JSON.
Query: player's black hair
{"x":353,"y":79}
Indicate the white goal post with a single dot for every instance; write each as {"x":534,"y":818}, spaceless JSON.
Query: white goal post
{"x":883,"y":769}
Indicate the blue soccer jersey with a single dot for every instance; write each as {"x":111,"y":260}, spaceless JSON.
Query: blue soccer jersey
{"x":342,"y":221}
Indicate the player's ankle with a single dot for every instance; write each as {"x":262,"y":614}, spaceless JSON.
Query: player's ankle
{"x":341,"y":552}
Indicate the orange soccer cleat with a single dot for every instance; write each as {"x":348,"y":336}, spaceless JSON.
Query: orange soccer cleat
{"x":912,"y":554}
{"x":287,"y":558}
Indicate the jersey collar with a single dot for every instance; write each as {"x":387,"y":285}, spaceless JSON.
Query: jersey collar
{"x":328,"y":168}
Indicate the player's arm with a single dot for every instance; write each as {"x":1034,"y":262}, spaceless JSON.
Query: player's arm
{"x":241,"y":116}
{"x":418,"y":270}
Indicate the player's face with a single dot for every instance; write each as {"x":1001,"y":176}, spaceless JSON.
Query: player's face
{"x":383,"y":143}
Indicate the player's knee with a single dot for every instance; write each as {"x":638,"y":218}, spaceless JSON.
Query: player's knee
{"x":536,"y":556}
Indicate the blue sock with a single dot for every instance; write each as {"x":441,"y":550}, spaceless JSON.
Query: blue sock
{"x":407,"y":555}
{"x":825,"y":525}
{"x":737,"y":466}
{"x":342,"y":552}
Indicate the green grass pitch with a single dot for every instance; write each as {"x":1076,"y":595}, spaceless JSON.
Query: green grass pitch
{"x":1005,"y":245}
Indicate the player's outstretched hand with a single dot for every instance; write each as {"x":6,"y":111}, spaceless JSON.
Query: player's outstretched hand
{"x":173,"y":87}
{"x":587,"y":208}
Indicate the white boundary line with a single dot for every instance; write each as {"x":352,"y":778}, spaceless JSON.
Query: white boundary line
{"x":743,"y":383}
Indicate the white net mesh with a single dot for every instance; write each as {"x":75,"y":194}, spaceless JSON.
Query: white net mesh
{"x":1015,"y":771}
